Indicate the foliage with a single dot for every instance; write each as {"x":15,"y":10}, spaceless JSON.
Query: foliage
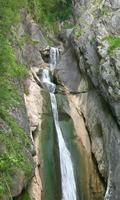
{"x":9,"y":13}
{"x":77,"y":32}
{"x":12,"y":153}
{"x":9,"y":69}
{"x":114,"y":42}
{"x":13,"y":142}
{"x":49,"y":12}
{"x":105,"y":11}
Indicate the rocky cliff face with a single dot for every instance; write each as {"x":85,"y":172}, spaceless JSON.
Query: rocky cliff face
{"x":88,"y":98}
{"x":95,"y":76}
{"x":97,"y":37}
{"x":39,"y":113}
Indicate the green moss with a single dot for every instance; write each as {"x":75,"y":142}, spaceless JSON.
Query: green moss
{"x":68,"y":25}
{"x":105,"y":11}
{"x":26,"y":39}
{"x":114,"y":43}
{"x":77,"y":32}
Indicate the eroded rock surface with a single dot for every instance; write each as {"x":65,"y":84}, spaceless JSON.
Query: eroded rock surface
{"x":90,"y":183}
{"x":99,"y":94}
{"x":96,"y":29}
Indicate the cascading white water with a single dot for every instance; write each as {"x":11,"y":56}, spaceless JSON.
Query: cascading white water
{"x":54,"y":56}
{"x":46,"y":81}
{"x":67,"y":174}
{"x":66,"y":166}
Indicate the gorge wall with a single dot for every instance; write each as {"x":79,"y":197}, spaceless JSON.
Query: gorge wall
{"x":87,"y":79}
{"x":96,"y":84}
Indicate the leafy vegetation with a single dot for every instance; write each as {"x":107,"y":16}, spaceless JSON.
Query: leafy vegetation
{"x":12,"y":137}
{"x":13,"y":142}
{"x":114,"y":42}
{"x":12,"y":160}
{"x":105,"y":11}
{"x":77,"y":31}
{"x":49,"y":12}
{"x":9,"y":69}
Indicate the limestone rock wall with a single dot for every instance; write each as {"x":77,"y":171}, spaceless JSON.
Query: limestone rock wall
{"x":96,"y":30}
{"x":90,"y":183}
{"x":98,"y":89}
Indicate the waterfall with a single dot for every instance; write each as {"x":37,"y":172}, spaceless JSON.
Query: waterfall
{"x":67,"y":174}
{"x":54,"y":56}
{"x":66,"y":166}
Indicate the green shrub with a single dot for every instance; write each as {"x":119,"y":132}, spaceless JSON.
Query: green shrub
{"x":114,"y":42}
{"x":49,"y":12}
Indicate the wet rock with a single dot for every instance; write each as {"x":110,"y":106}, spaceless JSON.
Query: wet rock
{"x":65,"y":37}
{"x":68,"y":75}
{"x":99,"y":66}
{"x":68,"y":107}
